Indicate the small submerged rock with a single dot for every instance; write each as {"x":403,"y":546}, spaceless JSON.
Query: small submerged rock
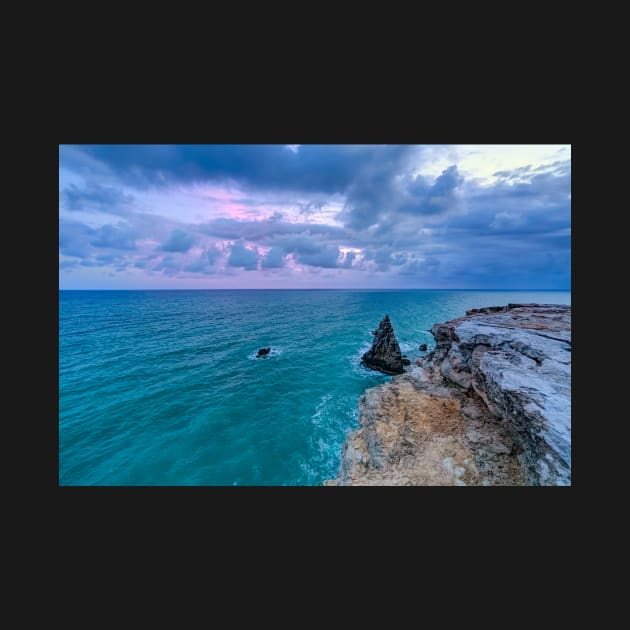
{"x":263,"y":352}
{"x":423,"y":347}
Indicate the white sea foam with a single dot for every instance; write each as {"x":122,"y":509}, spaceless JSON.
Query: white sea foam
{"x":413,"y":346}
{"x":316,"y":418}
{"x":332,"y":418}
{"x":355,"y":363}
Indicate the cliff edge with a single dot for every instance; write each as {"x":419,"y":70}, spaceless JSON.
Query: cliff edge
{"x":489,"y":405}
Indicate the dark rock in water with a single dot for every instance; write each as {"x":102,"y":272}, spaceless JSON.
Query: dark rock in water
{"x":423,"y":347}
{"x":406,"y":361}
{"x":263,"y":352}
{"x":384,"y":355}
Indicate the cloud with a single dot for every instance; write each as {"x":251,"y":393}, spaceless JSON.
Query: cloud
{"x":423,"y":267}
{"x":348,"y":260}
{"x":94,"y":197}
{"x":178,"y":241}
{"x":312,"y":206}
{"x":375,"y":188}
{"x":315,"y":168}
{"x":384,"y":257}
{"x":170,"y":265}
{"x":211,"y":254}
{"x":441,"y":196}
{"x":194,"y":211}
{"x":303,"y":243}
{"x":309,"y":249}
{"x":559,"y":167}
{"x":265,"y":229}
{"x":119,"y":236}
{"x":390,"y":191}
{"x":503,"y":220}
{"x":273,"y":259}
{"x":202,"y":264}
{"x":327,"y":256}
{"x":241,"y":256}
{"x":68,"y":264}
{"x":74,"y":238}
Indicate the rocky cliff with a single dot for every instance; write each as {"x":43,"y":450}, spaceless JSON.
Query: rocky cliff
{"x":490,"y":405}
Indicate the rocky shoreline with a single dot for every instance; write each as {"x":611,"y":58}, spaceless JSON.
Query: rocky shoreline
{"x":489,"y":405}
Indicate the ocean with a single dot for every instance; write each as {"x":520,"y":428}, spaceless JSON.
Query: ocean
{"x":163,"y":387}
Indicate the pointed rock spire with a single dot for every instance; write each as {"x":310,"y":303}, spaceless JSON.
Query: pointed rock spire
{"x":384,"y":355}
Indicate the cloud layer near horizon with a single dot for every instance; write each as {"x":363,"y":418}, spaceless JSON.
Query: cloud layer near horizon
{"x":314,"y":216}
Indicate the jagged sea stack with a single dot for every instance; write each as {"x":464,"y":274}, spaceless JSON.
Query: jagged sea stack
{"x":384,"y":355}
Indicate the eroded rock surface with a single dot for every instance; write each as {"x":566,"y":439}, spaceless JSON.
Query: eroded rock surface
{"x":384,"y":355}
{"x":490,"y":405}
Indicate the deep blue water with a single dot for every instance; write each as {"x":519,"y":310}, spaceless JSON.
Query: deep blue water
{"x":162,"y":387}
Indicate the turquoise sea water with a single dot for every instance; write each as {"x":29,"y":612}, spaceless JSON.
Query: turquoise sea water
{"x":163,"y":387}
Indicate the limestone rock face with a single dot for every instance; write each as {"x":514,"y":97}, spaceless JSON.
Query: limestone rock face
{"x":490,"y":405}
{"x":417,"y":434}
{"x":384,"y":355}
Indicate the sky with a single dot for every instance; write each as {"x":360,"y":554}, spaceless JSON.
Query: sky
{"x":315,"y":216}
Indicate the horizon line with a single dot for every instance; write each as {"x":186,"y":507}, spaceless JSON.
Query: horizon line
{"x":319,"y":289}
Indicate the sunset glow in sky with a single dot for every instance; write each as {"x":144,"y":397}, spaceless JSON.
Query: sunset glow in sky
{"x":314,"y":216}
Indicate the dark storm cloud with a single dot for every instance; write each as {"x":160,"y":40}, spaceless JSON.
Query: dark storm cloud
{"x":212,"y":255}
{"x":107,"y":246}
{"x":515,"y":231}
{"x":204,"y":263}
{"x":315,"y":168}
{"x":327,"y":257}
{"x":94,"y":197}
{"x":309,"y":249}
{"x":82,"y":241}
{"x":102,"y":260}
{"x":441,"y":196}
{"x":178,"y":241}
{"x":505,"y":234}
{"x":119,"y":236}
{"x":273,"y":259}
{"x":385,"y":256}
{"x":382,"y":194}
{"x":240,"y":256}
{"x":304,"y":243}
{"x":173,"y":264}
{"x":74,"y":238}
{"x":264,"y":229}
{"x":170,"y":265}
